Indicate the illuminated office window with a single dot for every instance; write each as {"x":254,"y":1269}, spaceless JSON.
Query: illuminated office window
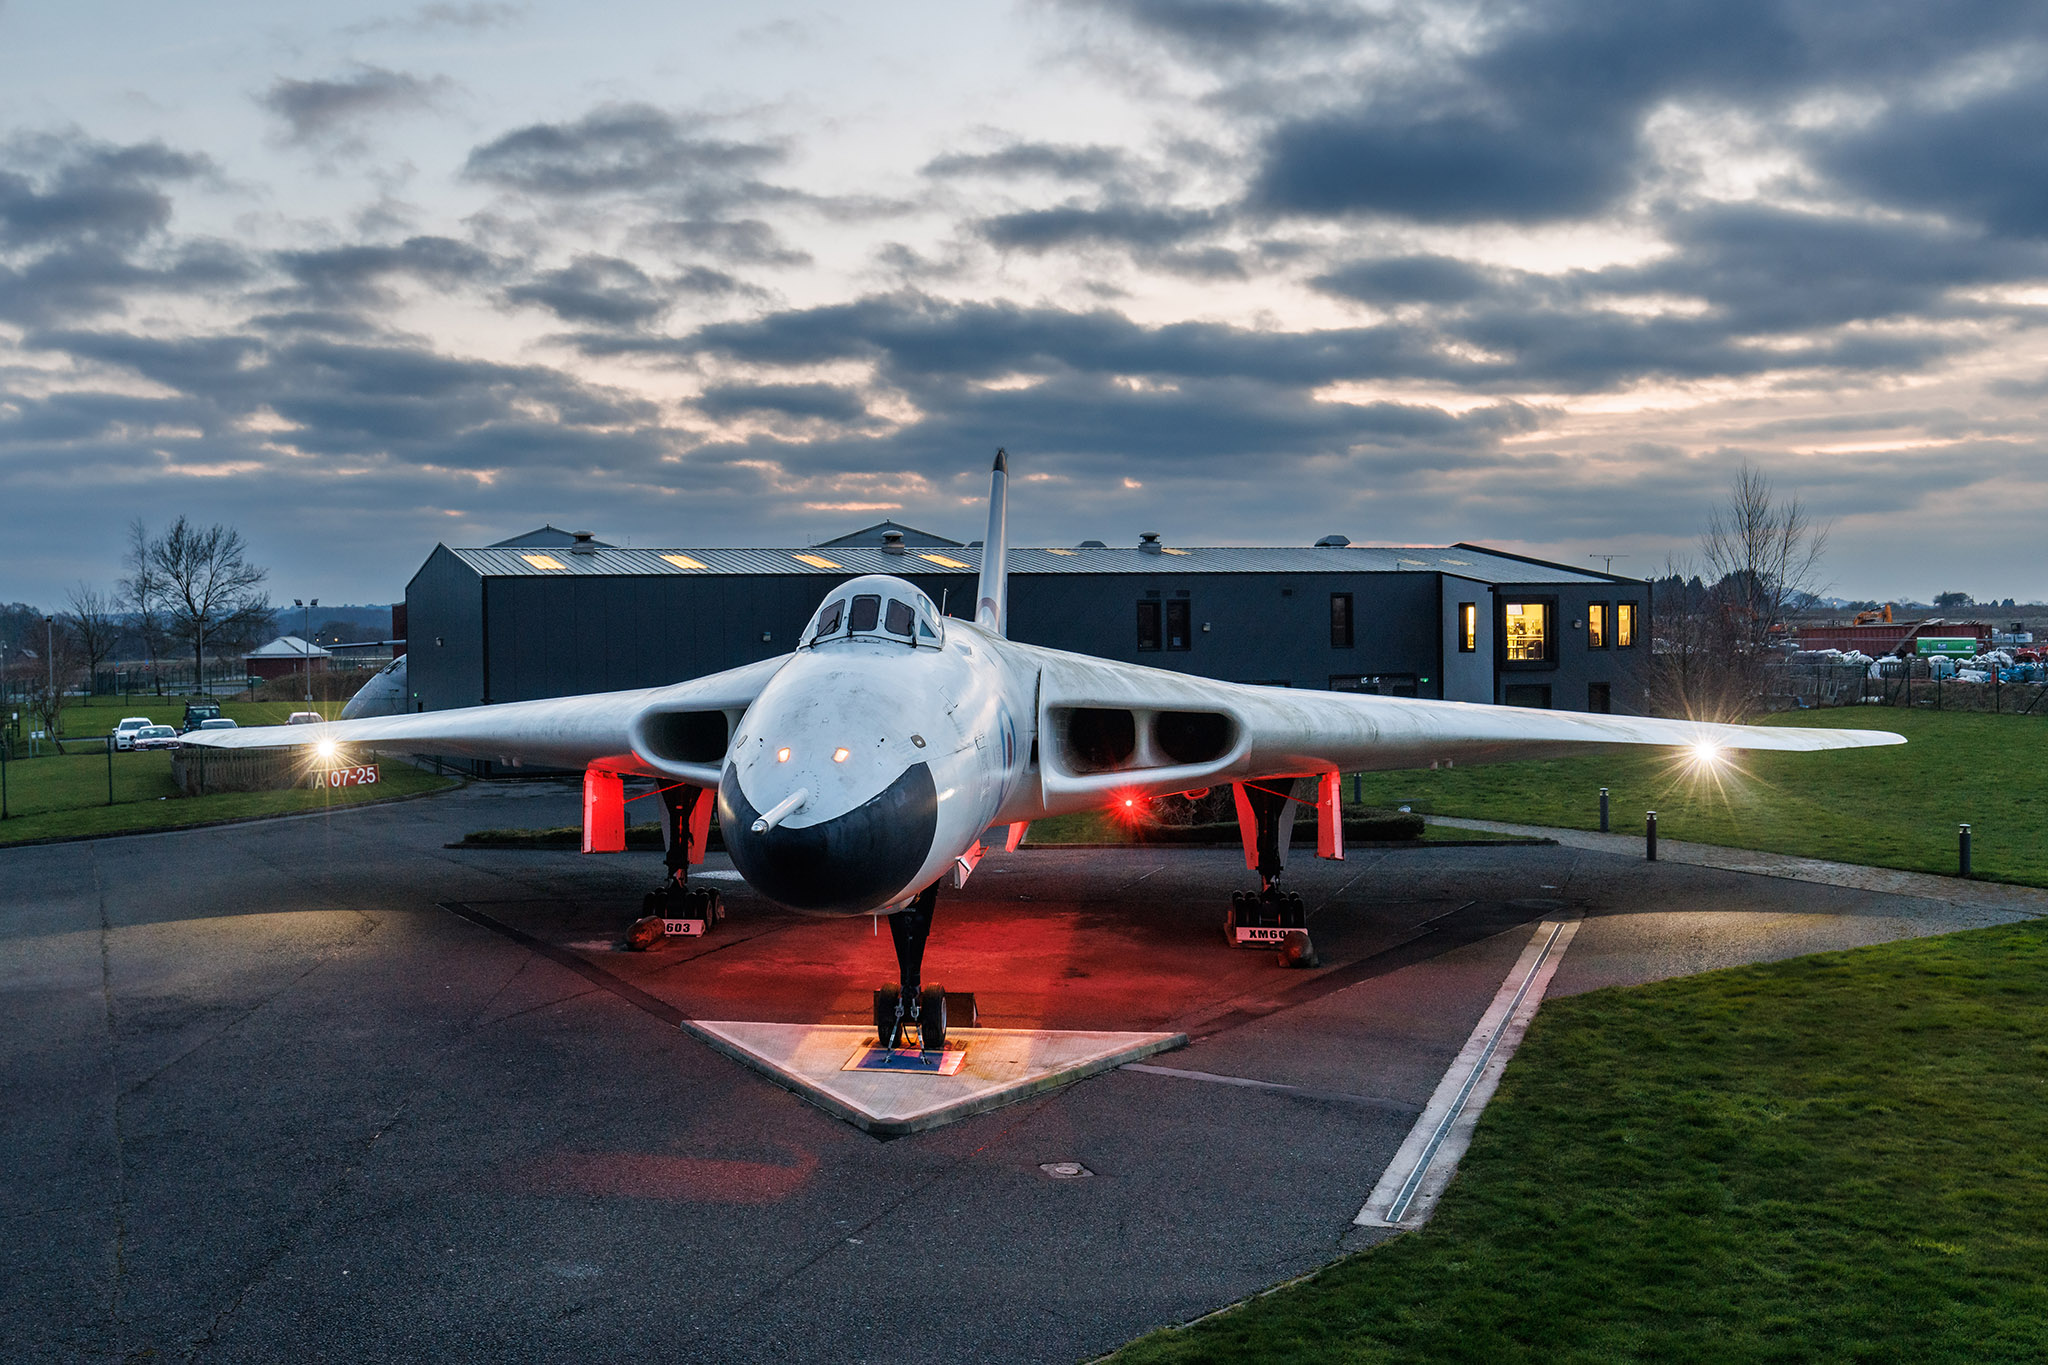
{"x":1527,"y":631}
{"x":1596,"y":626}
{"x":1468,"y":627}
{"x":1625,"y":625}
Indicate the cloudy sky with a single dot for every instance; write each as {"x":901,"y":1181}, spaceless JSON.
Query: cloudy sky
{"x":360,"y":278}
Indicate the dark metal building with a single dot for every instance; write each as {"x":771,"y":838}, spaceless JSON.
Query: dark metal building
{"x":1461,"y":622}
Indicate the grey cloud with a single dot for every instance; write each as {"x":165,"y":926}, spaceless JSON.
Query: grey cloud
{"x":1985,"y":161}
{"x":1230,"y":29}
{"x":94,"y":191}
{"x":597,"y":289}
{"x":827,"y":402}
{"x":624,"y":148}
{"x":356,"y":273}
{"x":1407,"y":279}
{"x":1130,"y":225}
{"x":1058,"y":161}
{"x":429,"y":18}
{"x":67,"y":284}
{"x":1544,"y":123}
{"x":316,"y":109}
{"x":746,"y":241}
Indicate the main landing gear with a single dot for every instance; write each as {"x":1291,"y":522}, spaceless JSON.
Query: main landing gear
{"x":908,"y":1007}
{"x":1269,"y":916}
{"x":675,"y":909}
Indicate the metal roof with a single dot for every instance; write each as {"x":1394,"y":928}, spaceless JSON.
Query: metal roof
{"x":1463,"y":560}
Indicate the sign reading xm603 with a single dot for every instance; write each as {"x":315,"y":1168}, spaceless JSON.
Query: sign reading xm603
{"x":363,"y":775}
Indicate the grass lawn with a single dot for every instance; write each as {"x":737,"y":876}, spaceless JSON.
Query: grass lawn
{"x":1835,"y":1158}
{"x":1888,"y":807}
{"x":53,"y":797}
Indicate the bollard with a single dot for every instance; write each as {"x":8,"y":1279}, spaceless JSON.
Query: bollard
{"x":110,"y":770}
{"x":1650,"y":837}
{"x":1963,"y":850}
{"x":1603,"y":810}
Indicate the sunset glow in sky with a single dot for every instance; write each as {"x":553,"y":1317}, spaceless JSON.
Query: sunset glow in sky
{"x":361,"y":278}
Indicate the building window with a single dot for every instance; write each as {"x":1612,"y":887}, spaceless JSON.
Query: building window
{"x":1148,"y":625}
{"x":1468,"y":627}
{"x":1596,"y":625}
{"x":1536,"y":696}
{"x":1625,"y":625}
{"x":1340,"y":620}
{"x":1599,"y":700}
{"x":1177,"y":624}
{"x":1527,"y":631}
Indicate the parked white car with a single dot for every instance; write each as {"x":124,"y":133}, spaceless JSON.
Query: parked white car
{"x":124,"y":734}
{"x":305,"y":718}
{"x":218,"y":723}
{"x":157,"y":737}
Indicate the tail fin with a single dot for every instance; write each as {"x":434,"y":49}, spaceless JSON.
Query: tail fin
{"x":992,"y":595}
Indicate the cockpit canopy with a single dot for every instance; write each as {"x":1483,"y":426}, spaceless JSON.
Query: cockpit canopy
{"x":877,"y":607}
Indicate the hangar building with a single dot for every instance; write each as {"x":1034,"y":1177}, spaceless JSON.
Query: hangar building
{"x":536,"y":617}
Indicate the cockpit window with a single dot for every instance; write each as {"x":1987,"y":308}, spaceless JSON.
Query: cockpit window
{"x":828,"y":619}
{"x":924,"y":630}
{"x":867,"y":609}
{"x":898,"y":619}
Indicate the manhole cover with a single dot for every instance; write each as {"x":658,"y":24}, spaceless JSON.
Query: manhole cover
{"x":1066,"y":1170}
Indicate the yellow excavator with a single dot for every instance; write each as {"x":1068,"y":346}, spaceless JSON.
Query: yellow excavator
{"x":1874,"y":616}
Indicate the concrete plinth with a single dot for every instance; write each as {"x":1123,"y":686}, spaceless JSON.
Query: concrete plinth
{"x":1002,"y":1066}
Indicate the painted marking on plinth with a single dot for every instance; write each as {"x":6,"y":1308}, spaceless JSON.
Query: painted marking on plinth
{"x":1000,"y":1066}
{"x":1416,"y":1178}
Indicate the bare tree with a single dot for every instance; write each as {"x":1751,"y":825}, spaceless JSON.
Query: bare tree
{"x":93,"y":628}
{"x":1761,"y":555}
{"x":51,"y":679}
{"x":208,"y":590}
{"x":142,"y":592}
{"x":1766,"y":553}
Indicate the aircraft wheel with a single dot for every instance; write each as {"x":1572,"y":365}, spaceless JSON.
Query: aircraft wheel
{"x":931,"y":1019}
{"x":716,"y":906}
{"x":1298,"y":950}
{"x":886,"y":1022}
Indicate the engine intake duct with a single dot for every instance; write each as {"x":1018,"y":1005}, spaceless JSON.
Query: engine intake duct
{"x":685,"y":736}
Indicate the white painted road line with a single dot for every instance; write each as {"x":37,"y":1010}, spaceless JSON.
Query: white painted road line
{"x":1407,"y":1194}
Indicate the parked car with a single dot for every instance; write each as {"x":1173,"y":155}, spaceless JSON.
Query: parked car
{"x":157,"y":737}
{"x":218,"y":723}
{"x":306,"y":718}
{"x":123,"y":734}
{"x":197,"y":711}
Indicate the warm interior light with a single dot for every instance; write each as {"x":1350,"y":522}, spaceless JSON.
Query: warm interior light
{"x":782,"y":755}
{"x":544,"y":561}
{"x":947,"y":561}
{"x":838,"y":755}
{"x":684,"y":561}
{"x":816,"y":561}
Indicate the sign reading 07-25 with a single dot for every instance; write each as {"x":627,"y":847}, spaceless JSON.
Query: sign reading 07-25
{"x":361,"y":775}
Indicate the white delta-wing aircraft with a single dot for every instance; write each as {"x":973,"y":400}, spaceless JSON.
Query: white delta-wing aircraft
{"x":893,"y":745}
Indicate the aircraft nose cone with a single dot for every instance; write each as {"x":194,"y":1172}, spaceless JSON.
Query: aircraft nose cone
{"x":851,"y":863}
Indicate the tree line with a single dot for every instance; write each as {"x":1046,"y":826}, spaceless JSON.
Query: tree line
{"x":186,"y":592}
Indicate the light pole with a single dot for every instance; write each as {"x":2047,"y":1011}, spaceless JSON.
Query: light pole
{"x":305,"y":639}
{"x":50,"y":654}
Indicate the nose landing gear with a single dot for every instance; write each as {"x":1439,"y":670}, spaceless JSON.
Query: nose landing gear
{"x":908,"y":1005}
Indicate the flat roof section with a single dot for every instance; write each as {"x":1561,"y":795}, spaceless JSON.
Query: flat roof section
{"x":1465,"y":561}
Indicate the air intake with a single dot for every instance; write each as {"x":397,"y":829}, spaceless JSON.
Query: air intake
{"x":586,"y":543}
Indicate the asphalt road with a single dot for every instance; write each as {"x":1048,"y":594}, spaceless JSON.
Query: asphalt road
{"x":266,"y":1097}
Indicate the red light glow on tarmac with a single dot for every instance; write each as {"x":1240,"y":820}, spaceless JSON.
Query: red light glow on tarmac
{"x":652,"y":1175}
